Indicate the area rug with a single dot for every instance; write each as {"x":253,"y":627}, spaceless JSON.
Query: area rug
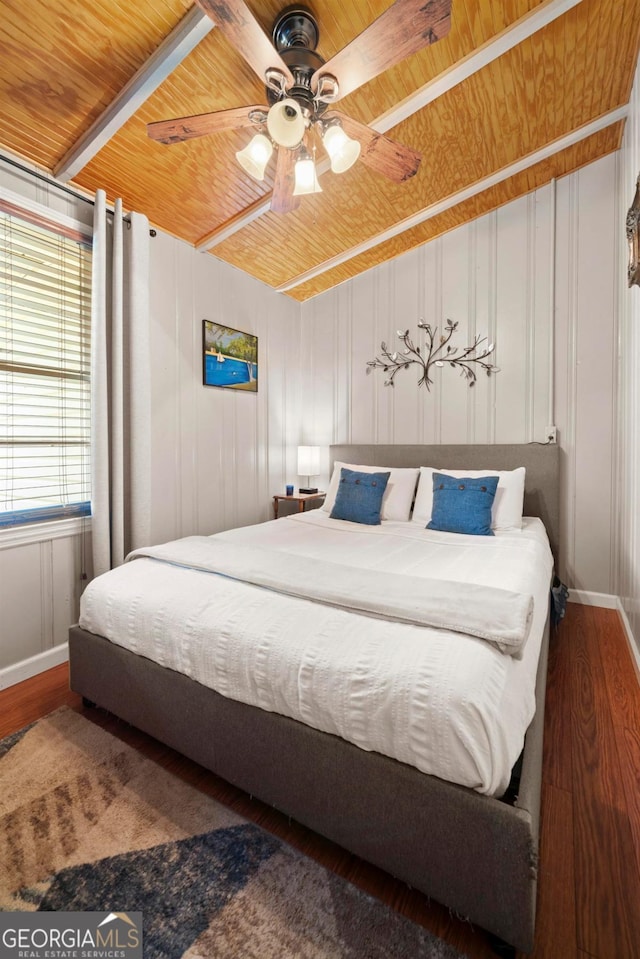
{"x":89,"y":824}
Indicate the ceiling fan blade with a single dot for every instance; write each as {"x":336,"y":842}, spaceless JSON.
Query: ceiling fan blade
{"x":404,"y":28}
{"x":242,"y":29}
{"x":187,"y":128}
{"x":282,"y":198}
{"x":394,"y":160}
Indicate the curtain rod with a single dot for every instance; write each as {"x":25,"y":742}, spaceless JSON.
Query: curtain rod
{"x":59,"y":186}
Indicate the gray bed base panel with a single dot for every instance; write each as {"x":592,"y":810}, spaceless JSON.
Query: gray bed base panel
{"x":472,"y":853}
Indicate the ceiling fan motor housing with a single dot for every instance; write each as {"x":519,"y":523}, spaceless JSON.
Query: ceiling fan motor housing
{"x":295,"y":36}
{"x":295,"y":26}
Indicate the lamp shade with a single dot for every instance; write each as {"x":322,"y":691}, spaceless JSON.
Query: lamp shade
{"x":342,"y":150}
{"x":285,"y":123}
{"x":308,"y":460}
{"x":256,"y":155}
{"x":306,"y":180}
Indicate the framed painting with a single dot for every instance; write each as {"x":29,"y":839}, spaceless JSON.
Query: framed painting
{"x":633,"y":239}
{"x":229,"y":358}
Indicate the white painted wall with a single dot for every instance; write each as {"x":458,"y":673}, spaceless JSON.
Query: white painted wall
{"x":492,"y":277}
{"x":586,"y":373}
{"x":628,"y":420}
{"x":535,"y":275}
{"x":217,"y":456}
{"x":40,"y":588}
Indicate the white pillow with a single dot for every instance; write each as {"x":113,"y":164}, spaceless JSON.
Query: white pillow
{"x":506,"y":512}
{"x":398,"y":496}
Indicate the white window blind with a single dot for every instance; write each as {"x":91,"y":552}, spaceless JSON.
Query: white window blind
{"x":45,"y":322}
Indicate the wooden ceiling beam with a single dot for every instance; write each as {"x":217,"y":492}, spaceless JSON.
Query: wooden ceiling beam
{"x":531,"y":23}
{"x":186,"y":35}
{"x":556,"y":146}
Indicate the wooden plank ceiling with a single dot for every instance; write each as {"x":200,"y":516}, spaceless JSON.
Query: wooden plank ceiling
{"x":538,"y":110}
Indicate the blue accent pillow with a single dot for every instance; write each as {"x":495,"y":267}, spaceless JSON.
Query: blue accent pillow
{"x":359,"y":497}
{"x":463,"y":505}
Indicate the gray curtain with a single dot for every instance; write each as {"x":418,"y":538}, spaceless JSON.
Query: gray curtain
{"x":120,"y":386}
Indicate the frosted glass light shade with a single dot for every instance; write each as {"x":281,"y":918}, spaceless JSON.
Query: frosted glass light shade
{"x":306,"y":180}
{"x":256,"y":155}
{"x":285,"y":123}
{"x":308,"y":460}
{"x":342,"y":150}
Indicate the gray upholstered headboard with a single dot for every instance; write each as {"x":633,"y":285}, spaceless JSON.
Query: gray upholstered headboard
{"x":542,"y":464}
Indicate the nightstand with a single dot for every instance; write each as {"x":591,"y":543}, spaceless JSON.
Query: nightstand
{"x":300,"y":498}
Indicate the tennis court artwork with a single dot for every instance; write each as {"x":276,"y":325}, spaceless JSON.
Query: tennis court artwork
{"x":229,"y":358}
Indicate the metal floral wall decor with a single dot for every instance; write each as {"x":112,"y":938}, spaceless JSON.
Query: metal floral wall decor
{"x":633,"y":239}
{"x":437,"y":351}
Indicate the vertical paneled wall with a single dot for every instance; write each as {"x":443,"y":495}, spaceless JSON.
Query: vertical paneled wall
{"x":586,"y":370}
{"x":217,"y":455}
{"x":492,"y":278}
{"x":628,"y":445}
{"x":538,"y":277}
{"x":40,"y":588}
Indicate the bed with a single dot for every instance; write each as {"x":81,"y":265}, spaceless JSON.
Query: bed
{"x":467,"y":843}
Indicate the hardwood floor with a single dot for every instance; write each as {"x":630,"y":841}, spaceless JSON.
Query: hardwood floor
{"x":589,"y":887}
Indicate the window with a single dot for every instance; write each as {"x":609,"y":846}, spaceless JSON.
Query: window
{"x":45,"y":323}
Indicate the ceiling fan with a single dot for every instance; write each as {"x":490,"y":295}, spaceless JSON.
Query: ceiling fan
{"x":301,"y":89}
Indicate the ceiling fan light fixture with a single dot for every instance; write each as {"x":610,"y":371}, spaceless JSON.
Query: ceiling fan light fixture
{"x":306,"y":178}
{"x":343,"y":150}
{"x":256,"y":155}
{"x":286,"y":123}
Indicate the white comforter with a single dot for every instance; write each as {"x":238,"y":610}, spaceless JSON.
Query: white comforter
{"x":450,"y":704}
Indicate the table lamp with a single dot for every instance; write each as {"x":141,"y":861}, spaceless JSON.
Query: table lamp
{"x":308,"y":465}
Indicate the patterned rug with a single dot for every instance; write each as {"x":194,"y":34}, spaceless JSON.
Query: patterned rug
{"x":89,"y":824}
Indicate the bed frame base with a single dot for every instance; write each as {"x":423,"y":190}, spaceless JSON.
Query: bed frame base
{"x":475,"y":854}
{"x":501,"y":948}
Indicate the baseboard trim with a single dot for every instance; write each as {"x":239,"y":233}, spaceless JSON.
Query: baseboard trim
{"x":586,"y":598}
{"x":633,"y":649}
{"x":17,"y":673}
